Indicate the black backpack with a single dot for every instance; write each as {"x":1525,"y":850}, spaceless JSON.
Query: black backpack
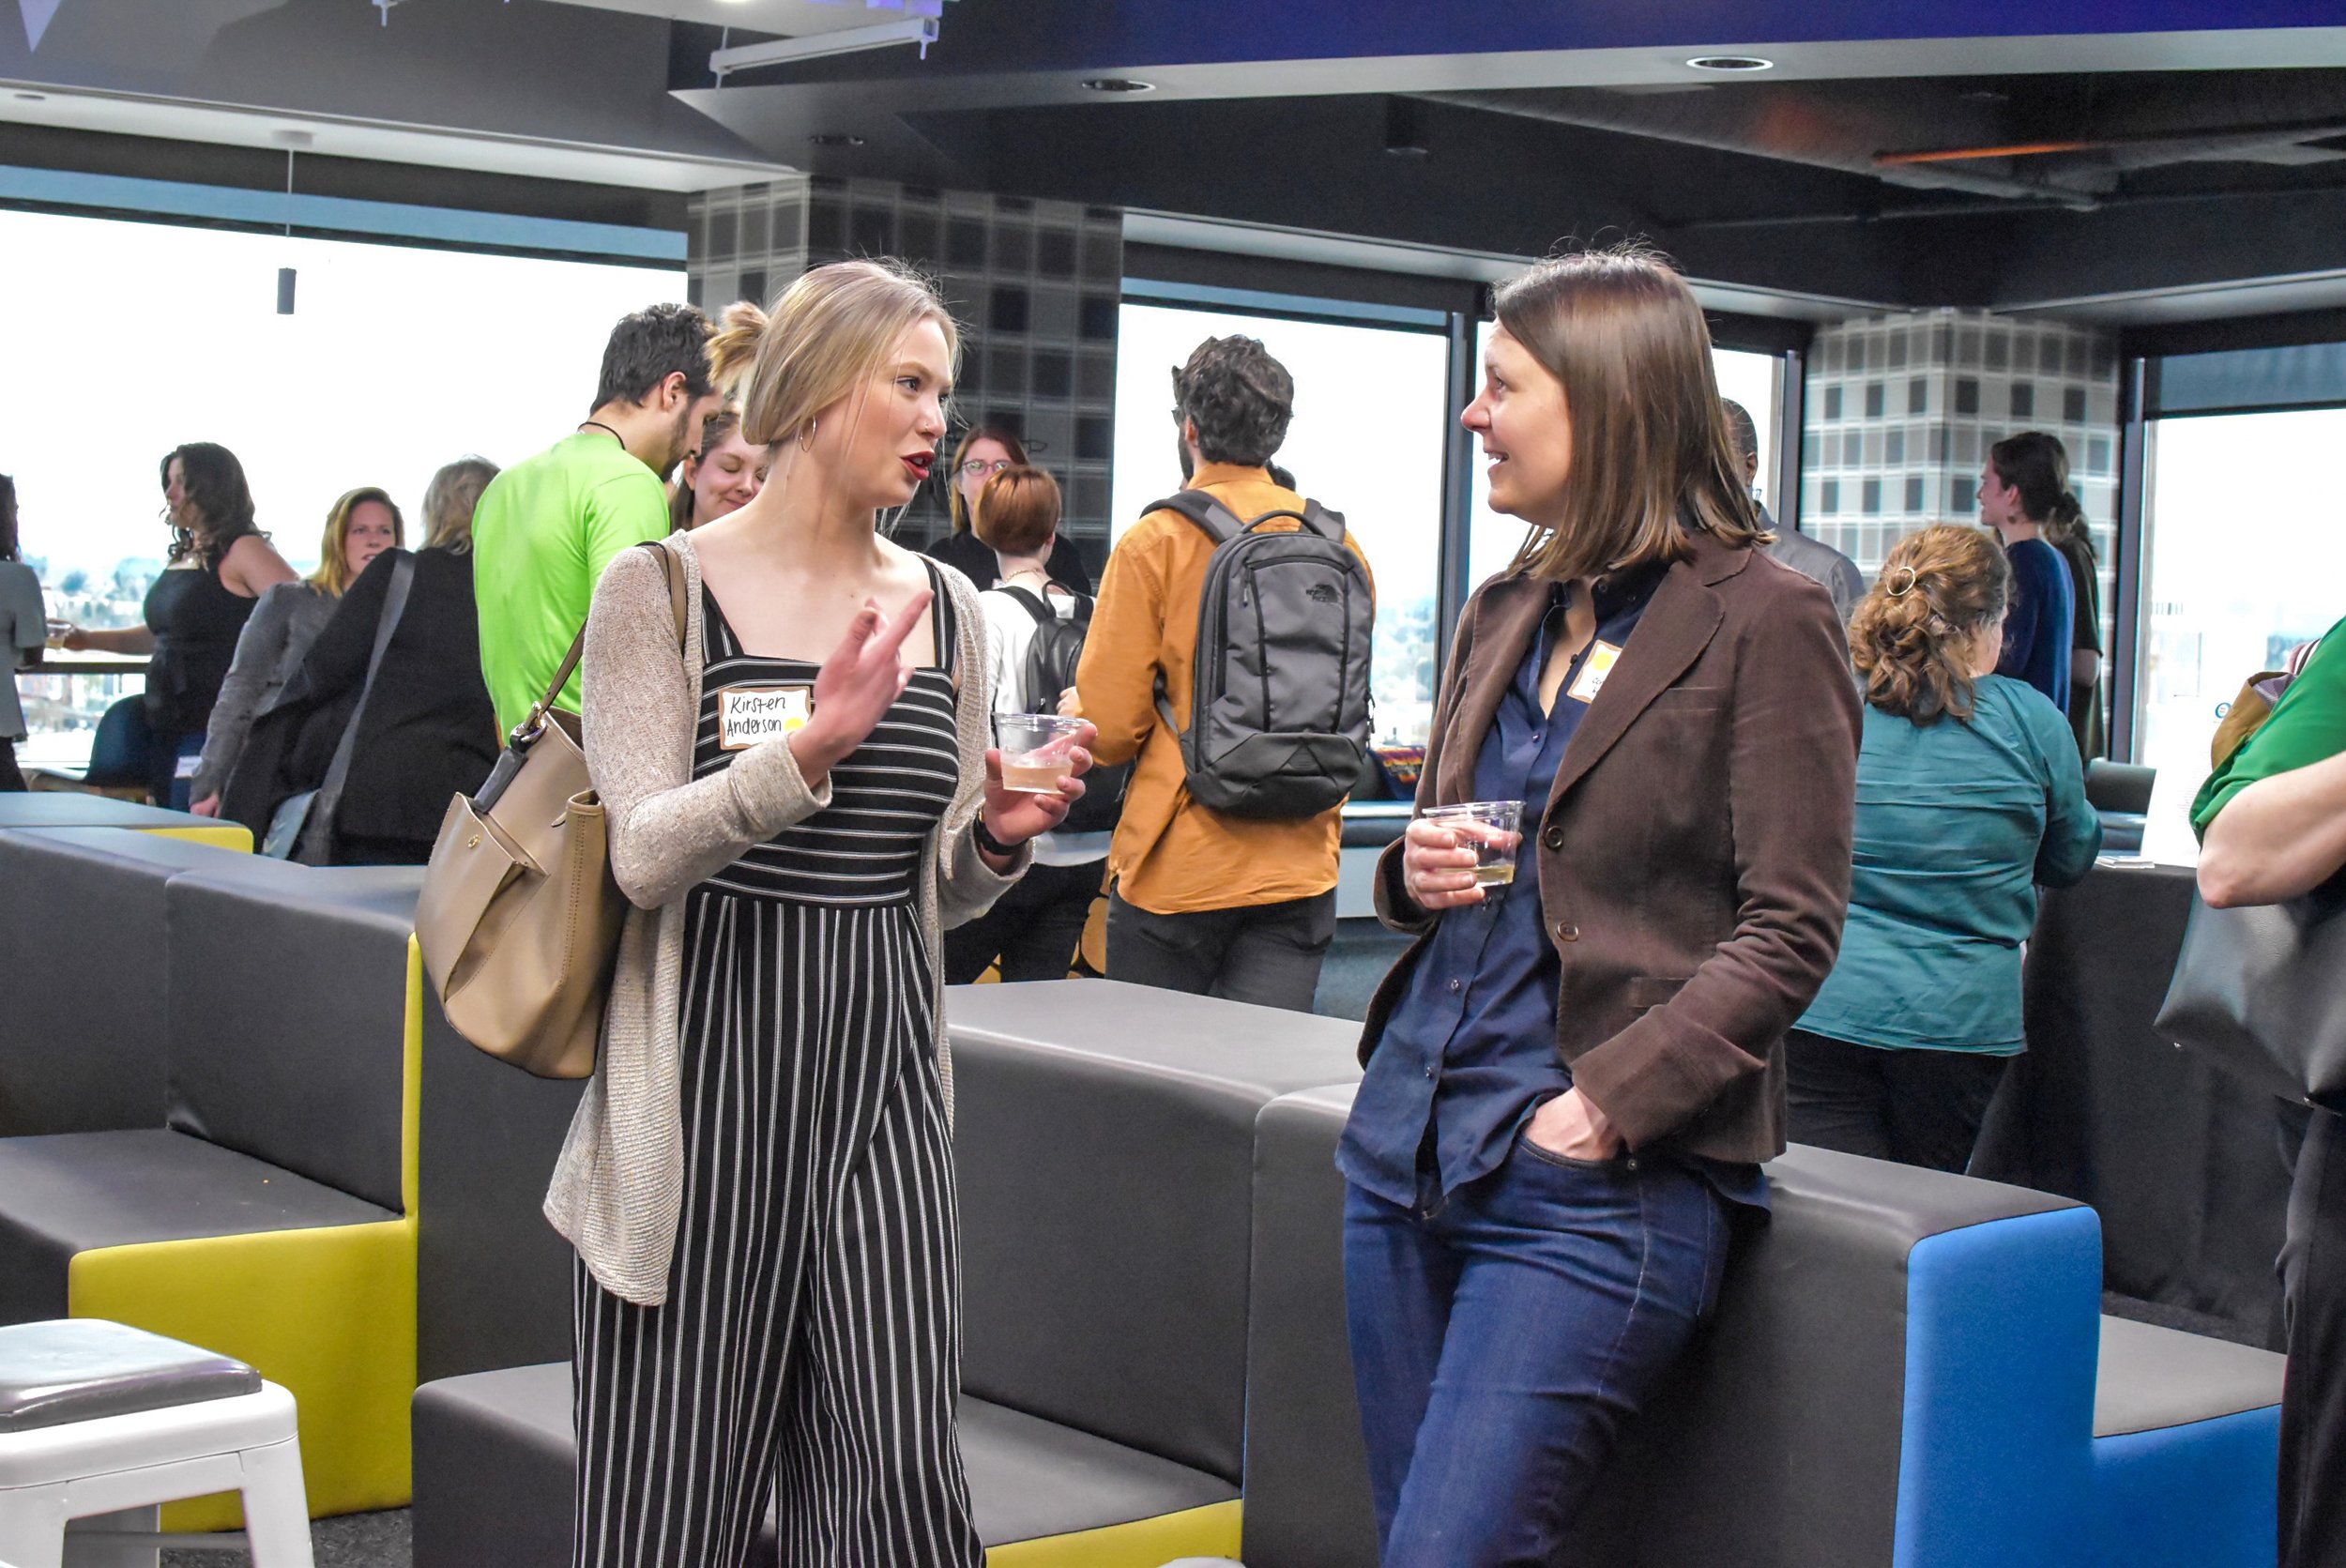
{"x":1279,"y":718}
{"x":1052,"y":658}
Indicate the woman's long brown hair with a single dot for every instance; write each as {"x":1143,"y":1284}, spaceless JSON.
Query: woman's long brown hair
{"x":1651,"y":454}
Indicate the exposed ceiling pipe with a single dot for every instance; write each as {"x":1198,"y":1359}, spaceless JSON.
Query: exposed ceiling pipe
{"x":2217,"y":144}
{"x":1838,"y":134}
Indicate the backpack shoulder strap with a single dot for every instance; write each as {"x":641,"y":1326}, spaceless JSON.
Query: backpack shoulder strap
{"x":1029,"y":602}
{"x":1220,"y":523}
{"x":1320,"y":520}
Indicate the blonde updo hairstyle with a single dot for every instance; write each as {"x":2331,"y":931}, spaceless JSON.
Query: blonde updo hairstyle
{"x":831,"y":330}
{"x":1911,"y":638}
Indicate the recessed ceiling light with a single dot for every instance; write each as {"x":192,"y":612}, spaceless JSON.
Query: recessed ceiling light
{"x":1118,"y":84}
{"x":1730,"y":63}
{"x":836,"y":139}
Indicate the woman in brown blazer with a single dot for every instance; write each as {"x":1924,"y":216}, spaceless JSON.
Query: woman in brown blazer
{"x":1572,"y":1077}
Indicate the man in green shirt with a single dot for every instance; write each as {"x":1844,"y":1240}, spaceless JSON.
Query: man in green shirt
{"x":2272,"y":823}
{"x":2281,"y":845}
{"x":546,"y":527}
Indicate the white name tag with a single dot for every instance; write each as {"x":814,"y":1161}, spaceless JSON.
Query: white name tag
{"x":749,"y":714}
{"x":1593,"y":669}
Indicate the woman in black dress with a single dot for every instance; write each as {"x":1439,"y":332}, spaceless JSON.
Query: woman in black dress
{"x":220,"y":564}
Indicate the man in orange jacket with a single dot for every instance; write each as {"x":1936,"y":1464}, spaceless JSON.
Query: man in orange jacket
{"x":1206,"y":903}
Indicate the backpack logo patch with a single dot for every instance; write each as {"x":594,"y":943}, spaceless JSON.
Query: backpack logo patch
{"x":1321,"y":593}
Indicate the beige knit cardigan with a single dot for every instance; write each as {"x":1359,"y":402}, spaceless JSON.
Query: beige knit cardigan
{"x":619,"y":1186}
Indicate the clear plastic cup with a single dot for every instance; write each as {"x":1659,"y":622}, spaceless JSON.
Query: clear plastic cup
{"x":1491,"y":827}
{"x":1037,"y":750}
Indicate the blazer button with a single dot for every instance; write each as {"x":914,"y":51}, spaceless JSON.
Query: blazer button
{"x":1555,"y":838}
{"x":1567,"y":932}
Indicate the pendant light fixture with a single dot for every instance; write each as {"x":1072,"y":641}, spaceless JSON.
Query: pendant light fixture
{"x":293,"y":142}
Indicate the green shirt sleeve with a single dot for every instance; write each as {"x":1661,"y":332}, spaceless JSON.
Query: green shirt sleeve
{"x":2308,"y":725}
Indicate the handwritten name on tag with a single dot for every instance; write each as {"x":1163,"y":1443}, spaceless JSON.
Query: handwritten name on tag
{"x":1599,"y":663}
{"x":749,"y":714}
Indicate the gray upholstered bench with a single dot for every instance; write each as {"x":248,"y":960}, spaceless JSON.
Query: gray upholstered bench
{"x":496,"y":1476}
{"x":1903,"y":1365}
{"x":82,"y":963}
{"x":1105,"y":1152}
{"x":2186,"y":1430}
{"x":269,"y":1218}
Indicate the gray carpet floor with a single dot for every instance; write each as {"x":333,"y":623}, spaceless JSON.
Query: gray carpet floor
{"x":354,"y":1541}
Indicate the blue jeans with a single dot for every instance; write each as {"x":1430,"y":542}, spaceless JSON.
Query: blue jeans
{"x":1501,"y":1336}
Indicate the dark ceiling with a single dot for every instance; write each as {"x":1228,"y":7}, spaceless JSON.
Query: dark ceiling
{"x":2019,"y":154}
{"x":2004,"y":190}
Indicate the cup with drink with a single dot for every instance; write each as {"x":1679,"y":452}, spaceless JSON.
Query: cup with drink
{"x":1490,"y":828}
{"x":1038,"y":750}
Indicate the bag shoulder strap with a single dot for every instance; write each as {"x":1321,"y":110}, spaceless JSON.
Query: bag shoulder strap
{"x":677,"y":609}
{"x":1320,"y":520}
{"x":1030,"y":601}
{"x":1220,"y":523}
{"x":386,"y":624}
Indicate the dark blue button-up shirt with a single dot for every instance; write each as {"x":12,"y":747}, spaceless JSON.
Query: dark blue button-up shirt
{"x":1469,"y":1052}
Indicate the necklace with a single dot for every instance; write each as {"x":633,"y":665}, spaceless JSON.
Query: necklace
{"x":598,"y":424}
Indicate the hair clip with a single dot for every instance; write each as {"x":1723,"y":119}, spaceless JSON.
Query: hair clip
{"x":1906,"y":587}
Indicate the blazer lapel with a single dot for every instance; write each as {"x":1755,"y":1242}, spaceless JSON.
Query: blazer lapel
{"x":1676,"y":627}
{"x":1510,"y":615}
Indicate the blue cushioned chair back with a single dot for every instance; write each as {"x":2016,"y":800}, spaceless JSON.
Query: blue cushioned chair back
{"x":2004,"y":1322}
{"x":121,"y":752}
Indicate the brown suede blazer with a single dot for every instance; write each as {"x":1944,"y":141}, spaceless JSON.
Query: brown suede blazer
{"x":1694,"y":852}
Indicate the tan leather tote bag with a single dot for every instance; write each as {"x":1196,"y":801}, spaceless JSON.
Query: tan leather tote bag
{"x":519,"y":922}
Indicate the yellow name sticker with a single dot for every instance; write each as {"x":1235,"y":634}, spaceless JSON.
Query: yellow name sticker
{"x":1593,"y":669}
{"x":749,"y":714}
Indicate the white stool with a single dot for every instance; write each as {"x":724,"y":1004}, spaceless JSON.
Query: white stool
{"x":98,"y":1417}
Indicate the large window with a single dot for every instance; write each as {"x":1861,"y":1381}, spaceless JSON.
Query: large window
{"x":1367,"y":442}
{"x":128,"y":339}
{"x":1754,"y":380}
{"x":2244,"y":556}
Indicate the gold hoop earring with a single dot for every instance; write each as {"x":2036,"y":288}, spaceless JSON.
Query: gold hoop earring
{"x":806,"y":436}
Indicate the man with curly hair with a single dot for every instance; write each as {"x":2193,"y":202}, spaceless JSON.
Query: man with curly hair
{"x":1203,"y":901}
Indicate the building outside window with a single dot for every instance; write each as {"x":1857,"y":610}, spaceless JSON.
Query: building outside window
{"x":397,"y":360}
{"x":1366,"y":441}
{"x":2244,"y":559}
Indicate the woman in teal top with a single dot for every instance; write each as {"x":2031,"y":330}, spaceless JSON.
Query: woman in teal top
{"x":1969,"y":795}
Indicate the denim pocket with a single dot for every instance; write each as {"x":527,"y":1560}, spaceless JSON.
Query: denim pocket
{"x":1565,"y":1162}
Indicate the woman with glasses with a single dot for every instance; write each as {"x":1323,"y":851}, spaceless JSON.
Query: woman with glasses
{"x":985,"y":452}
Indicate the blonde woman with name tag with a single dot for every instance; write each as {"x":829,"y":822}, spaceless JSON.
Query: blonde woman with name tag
{"x":759,"y":1181}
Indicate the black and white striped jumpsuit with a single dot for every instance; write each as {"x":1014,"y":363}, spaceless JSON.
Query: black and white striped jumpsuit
{"x":810,"y":1347}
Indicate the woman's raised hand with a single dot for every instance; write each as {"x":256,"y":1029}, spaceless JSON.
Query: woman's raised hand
{"x":864,"y":673}
{"x":1438,"y":862}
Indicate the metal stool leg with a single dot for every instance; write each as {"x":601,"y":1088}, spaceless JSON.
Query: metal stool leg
{"x":275,"y":1508}
{"x":32,"y":1529}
